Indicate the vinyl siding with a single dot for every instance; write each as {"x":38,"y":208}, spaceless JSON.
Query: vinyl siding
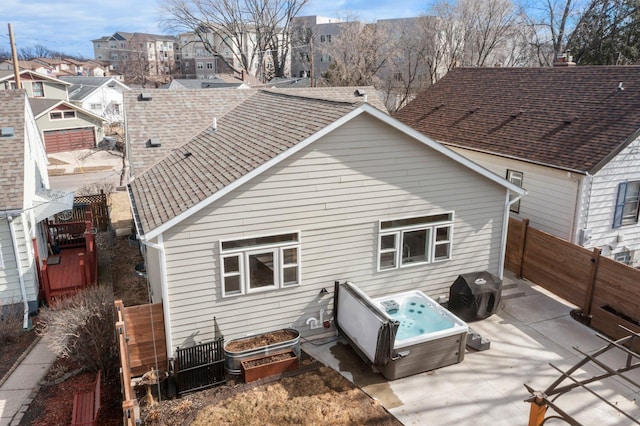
{"x":622,"y":168}
{"x":550,"y":203}
{"x":9,"y":282}
{"x":334,"y":193}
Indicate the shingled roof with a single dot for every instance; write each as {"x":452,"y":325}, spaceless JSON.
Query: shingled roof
{"x":571,"y":118}
{"x":173,"y":117}
{"x":12,"y":114}
{"x":247,"y":137}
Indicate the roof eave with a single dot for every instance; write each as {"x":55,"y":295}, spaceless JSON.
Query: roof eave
{"x":153,"y":233}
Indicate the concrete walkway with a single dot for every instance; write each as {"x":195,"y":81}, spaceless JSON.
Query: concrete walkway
{"x":19,"y":389}
{"x":532,"y":329}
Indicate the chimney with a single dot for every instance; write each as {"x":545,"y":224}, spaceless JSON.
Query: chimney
{"x":244,"y":75}
{"x":564,"y":60}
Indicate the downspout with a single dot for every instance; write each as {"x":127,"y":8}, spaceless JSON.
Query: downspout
{"x":165,"y":292}
{"x":505,"y":229}
{"x":23,"y":289}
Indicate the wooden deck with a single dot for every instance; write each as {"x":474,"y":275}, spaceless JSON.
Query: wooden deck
{"x":67,"y":276}
{"x":72,"y":263}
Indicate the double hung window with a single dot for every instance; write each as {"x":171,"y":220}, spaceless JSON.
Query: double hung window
{"x":251,"y":265}
{"x":415,"y":241}
{"x":627,"y":204}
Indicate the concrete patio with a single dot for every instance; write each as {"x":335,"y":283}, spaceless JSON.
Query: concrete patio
{"x":532,"y":329}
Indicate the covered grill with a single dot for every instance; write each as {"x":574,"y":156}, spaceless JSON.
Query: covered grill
{"x":475,"y":296}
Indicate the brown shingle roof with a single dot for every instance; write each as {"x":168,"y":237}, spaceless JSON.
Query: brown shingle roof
{"x":256,"y":131}
{"x":572,"y":118}
{"x":173,"y":117}
{"x":12,"y":114}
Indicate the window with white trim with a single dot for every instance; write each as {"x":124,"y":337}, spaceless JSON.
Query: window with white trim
{"x":59,"y":115}
{"x":415,"y":241}
{"x":251,"y":265}
{"x":627,"y":204}
{"x":515,"y":177}
{"x":38,"y":89}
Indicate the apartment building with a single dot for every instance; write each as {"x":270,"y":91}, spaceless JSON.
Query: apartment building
{"x":134,"y":54}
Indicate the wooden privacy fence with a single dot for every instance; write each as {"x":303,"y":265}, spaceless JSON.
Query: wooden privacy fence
{"x":141,"y":343}
{"x":607,"y":291}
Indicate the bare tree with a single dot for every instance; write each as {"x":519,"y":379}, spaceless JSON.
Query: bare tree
{"x":255,"y":32}
{"x":357,"y":55}
{"x":550,"y":23}
{"x":477,"y":29}
{"x":135,"y":67}
{"x":415,"y":61}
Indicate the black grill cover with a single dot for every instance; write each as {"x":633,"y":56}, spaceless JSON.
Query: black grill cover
{"x":475,"y":296}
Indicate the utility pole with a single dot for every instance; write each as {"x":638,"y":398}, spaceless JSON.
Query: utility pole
{"x":14,"y":57}
{"x":311,"y":83}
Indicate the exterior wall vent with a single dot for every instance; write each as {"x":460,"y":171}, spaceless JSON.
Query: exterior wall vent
{"x":153,"y":143}
{"x":145,"y":97}
{"x":7,"y":132}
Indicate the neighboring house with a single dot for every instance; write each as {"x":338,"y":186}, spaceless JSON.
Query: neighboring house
{"x":248,"y":224}
{"x":37,"y":85}
{"x":26,"y":66}
{"x":65,"y":126}
{"x":103,"y":96}
{"x":94,"y":69}
{"x":569,"y":135}
{"x":25,"y":202}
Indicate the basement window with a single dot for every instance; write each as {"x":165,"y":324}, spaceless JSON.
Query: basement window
{"x":252,"y":265}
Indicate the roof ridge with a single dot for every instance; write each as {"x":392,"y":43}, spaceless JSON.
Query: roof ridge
{"x":280,"y":92}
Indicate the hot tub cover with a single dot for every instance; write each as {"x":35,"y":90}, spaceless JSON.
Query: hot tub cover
{"x":367,"y":328}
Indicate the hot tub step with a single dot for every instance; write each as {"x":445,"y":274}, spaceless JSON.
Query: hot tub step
{"x":477,"y":342}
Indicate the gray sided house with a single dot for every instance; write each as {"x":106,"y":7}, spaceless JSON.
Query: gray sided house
{"x":65,"y":126}
{"x":250,"y":220}
{"x":36,"y":85}
{"x":569,"y":135}
{"x":25,"y":202}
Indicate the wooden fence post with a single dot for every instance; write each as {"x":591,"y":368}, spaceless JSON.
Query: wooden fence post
{"x":593,"y":277}
{"x":523,"y":231}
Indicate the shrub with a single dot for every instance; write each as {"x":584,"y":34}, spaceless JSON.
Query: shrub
{"x":11,"y":318}
{"x":81,"y":328}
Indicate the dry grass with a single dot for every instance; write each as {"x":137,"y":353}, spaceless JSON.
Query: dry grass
{"x":316,"y":397}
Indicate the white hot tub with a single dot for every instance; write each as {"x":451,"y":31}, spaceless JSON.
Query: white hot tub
{"x":401,"y":334}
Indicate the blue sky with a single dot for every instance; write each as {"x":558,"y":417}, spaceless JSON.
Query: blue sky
{"x":69,"y":26}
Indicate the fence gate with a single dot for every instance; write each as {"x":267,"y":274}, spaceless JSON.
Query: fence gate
{"x":200,"y":367}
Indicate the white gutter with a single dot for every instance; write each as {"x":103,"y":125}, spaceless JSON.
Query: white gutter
{"x":505,"y":229}
{"x":165,"y":291}
{"x":23,"y":289}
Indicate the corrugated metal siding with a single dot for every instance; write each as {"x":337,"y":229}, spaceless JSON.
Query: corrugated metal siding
{"x":551,"y":194}
{"x":334,"y":192}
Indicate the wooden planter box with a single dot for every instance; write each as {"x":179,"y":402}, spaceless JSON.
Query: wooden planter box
{"x":270,"y":365}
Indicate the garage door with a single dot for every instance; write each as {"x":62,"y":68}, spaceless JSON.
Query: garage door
{"x":69,"y":140}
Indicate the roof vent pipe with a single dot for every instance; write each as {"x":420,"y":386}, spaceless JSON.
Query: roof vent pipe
{"x":214,"y":125}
